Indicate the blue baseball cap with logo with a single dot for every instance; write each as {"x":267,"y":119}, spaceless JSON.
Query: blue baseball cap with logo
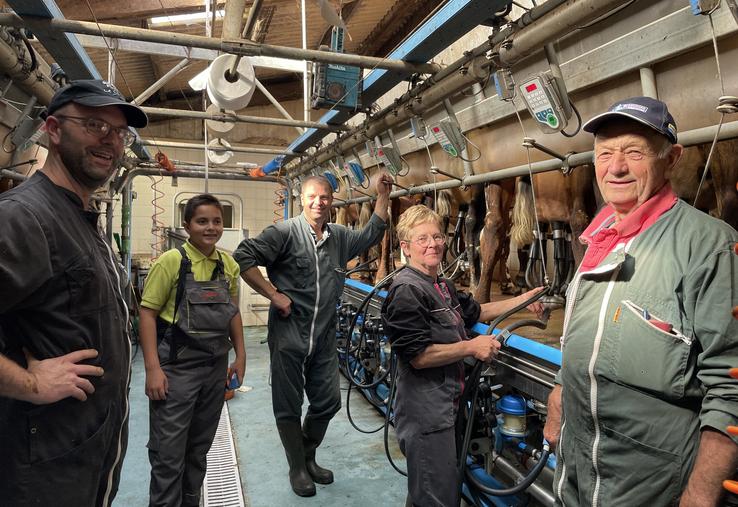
{"x":650,"y":112}
{"x":97,"y":93}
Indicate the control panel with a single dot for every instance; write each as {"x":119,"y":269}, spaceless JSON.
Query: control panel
{"x":542,"y":99}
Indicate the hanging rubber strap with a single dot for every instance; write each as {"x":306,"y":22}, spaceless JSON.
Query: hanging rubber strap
{"x":185,"y":267}
{"x":219,"y":268}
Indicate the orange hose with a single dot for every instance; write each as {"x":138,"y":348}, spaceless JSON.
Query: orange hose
{"x":733,"y":372}
{"x":165,"y":163}
{"x":733,"y":430}
{"x":257,"y":172}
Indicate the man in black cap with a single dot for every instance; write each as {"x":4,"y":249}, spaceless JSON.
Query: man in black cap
{"x":64,"y":343}
{"x":643,"y":397}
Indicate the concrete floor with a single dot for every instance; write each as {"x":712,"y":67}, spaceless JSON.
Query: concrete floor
{"x":363,"y":475}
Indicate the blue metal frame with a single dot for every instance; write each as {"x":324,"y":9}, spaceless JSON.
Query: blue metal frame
{"x":451,"y":22}
{"x":545,"y":352}
{"x":64,"y":47}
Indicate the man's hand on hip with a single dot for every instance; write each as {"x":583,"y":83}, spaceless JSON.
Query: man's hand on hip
{"x":61,"y":377}
{"x":282,"y":303}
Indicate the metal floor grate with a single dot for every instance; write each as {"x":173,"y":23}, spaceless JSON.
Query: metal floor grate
{"x":222,"y":485}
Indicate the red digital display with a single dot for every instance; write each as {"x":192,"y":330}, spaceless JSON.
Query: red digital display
{"x":436,"y":129}
{"x":531,"y":88}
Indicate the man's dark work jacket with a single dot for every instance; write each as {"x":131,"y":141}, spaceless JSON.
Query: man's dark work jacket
{"x":61,"y":291}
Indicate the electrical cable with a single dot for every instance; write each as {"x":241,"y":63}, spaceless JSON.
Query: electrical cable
{"x":279,"y":204}
{"x":349,"y":349}
{"x":351,"y":419}
{"x":387,"y":415}
{"x":157,"y":226}
{"x":471,"y":390}
{"x":478,"y":149}
{"x":579,"y":121}
{"x":727,"y":104}
{"x":34,"y":61}
{"x":533,"y":194}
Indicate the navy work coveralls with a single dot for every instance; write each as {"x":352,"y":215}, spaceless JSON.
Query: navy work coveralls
{"x":420,"y":311}
{"x":302,"y":345}
{"x":61,"y":291}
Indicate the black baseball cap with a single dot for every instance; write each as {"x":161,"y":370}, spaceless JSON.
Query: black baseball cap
{"x":97,"y":93}
{"x":650,"y":112}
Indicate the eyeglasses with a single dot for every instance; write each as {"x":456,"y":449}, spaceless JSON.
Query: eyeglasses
{"x":424,"y":241}
{"x":101,"y":128}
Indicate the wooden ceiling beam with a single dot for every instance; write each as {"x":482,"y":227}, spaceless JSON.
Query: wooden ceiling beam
{"x":402,"y":18}
{"x":105,"y":10}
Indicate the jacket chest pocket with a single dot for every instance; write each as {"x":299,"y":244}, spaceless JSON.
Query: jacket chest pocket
{"x":302,"y":277}
{"x":208,"y":309}
{"x":650,"y":357}
{"x":445,"y":326}
{"x":87,"y":287}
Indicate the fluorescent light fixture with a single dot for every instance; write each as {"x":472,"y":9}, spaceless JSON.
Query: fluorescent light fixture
{"x":185,"y":18}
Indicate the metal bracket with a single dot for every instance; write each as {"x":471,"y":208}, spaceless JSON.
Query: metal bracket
{"x":529,"y":142}
{"x":436,"y":170}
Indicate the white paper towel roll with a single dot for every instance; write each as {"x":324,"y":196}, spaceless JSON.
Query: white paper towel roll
{"x":218,"y":152}
{"x":227,"y":95}
{"x":219,"y":127}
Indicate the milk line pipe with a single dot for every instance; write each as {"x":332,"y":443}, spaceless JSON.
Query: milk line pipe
{"x":239,"y":118}
{"x":354,"y":189}
{"x":240,"y":47}
{"x":686,"y":138}
{"x":197,"y":146}
{"x":475,"y":66}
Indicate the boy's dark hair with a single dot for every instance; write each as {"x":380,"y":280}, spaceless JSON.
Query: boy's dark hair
{"x":200,"y":200}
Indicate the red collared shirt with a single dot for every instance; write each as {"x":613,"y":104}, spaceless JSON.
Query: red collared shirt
{"x":604,"y":233}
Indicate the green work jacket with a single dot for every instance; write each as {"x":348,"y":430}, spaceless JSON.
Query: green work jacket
{"x":635,"y":396}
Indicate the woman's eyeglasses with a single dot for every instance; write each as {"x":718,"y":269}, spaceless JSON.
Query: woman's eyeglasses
{"x":424,"y":241}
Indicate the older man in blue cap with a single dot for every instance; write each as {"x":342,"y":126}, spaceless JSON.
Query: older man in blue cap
{"x":644,"y":397}
{"x":64,"y":342}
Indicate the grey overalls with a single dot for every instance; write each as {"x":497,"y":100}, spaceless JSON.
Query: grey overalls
{"x":302,"y":346}
{"x":182,"y":426}
{"x":420,"y":311}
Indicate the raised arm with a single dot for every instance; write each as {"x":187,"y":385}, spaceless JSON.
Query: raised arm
{"x":384,"y":187}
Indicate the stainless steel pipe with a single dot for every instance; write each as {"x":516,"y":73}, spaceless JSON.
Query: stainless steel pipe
{"x":240,"y":47}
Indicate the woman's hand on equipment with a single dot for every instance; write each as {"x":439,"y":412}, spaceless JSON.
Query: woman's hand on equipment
{"x":484,"y":347}
{"x":535,"y":307}
{"x":157,"y":384}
